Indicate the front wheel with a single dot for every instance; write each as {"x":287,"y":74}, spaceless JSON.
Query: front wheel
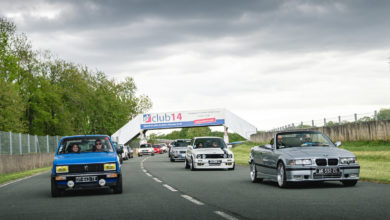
{"x":349,"y":182}
{"x":192,"y":166}
{"x":253,"y":173}
{"x":55,"y":192}
{"x":118,"y":187}
{"x":187,"y":166}
{"x":281,"y":175}
{"x":234,"y":165}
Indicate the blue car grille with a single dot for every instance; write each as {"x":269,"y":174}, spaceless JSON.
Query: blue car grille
{"x":86,"y":168}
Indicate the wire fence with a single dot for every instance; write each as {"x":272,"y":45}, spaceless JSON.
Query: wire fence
{"x":332,"y":121}
{"x":17,"y":143}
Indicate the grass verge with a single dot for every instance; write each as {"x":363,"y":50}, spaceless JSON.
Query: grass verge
{"x":13,"y":176}
{"x":373,"y":158}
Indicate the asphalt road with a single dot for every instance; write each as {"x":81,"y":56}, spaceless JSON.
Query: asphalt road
{"x":155,"y":188}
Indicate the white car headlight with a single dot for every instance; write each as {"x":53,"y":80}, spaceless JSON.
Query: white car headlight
{"x":348,"y":160}
{"x":199,"y":156}
{"x":300,"y":162}
{"x":230,"y":155}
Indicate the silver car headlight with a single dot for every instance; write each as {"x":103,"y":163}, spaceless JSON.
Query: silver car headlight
{"x":199,"y":156}
{"x":300,"y":162}
{"x":348,"y":160}
{"x":230,"y":155}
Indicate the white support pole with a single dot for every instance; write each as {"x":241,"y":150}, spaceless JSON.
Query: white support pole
{"x":312,"y":123}
{"x":28,"y":143}
{"x":47,"y":140}
{"x":355,"y":118}
{"x":36,"y":143}
{"x":20,"y":144}
{"x":225,"y":135}
{"x":143,"y":139}
{"x":324,"y":121}
{"x":376,"y":115}
{"x":10,"y":143}
{"x":339,"y":120}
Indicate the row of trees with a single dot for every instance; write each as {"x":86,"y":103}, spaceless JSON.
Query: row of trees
{"x":40,"y":94}
{"x":188,"y":133}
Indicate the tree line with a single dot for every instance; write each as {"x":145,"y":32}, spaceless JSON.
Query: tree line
{"x":44,"y":95}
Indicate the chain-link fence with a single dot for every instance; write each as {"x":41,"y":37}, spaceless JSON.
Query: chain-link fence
{"x":332,"y":121}
{"x":17,"y":143}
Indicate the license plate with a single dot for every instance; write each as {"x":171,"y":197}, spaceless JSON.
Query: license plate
{"x":86,"y":179}
{"x":214,"y":161}
{"x":327,"y":171}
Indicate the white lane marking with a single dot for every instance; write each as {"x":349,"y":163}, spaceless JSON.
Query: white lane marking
{"x":189,"y":198}
{"x":157,"y":180}
{"x":148,"y":174}
{"x":18,"y":180}
{"x":170,"y":188}
{"x":224,"y":215}
{"x":144,"y":170}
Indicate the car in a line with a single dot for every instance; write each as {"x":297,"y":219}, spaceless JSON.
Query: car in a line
{"x":164,"y":147}
{"x":85,"y":162}
{"x":145,"y":149}
{"x":130,"y":152}
{"x":157,"y":149}
{"x":303,"y":156}
{"x":178,"y":149}
{"x":125,"y":152}
{"x":209,"y":153}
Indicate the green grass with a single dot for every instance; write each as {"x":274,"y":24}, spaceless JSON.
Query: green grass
{"x":13,"y":176}
{"x":373,"y":158}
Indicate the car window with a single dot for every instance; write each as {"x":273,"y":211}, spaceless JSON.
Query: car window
{"x":85,"y":144}
{"x":182,"y":143}
{"x":302,"y":139}
{"x":209,"y":143}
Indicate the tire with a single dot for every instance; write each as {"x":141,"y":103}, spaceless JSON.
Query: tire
{"x":253,"y":173}
{"x":192,"y":166}
{"x":234,"y":165}
{"x":349,"y":182}
{"x":281,"y":177}
{"x":153,"y":154}
{"x":55,"y":192}
{"x":172,"y":160}
{"x":187,"y":166}
{"x":118,"y":188}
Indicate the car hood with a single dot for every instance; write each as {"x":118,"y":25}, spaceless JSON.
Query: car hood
{"x":212,"y":151}
{"x":85,"y":158}
{"x":312,"y":152}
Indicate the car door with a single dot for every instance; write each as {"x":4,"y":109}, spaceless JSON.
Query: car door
{"x":257,"y":156}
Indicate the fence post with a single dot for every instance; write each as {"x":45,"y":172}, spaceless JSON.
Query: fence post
{"x":10,"y":143}
{"x":20,"y":144}
{"x":312,"y":123}
{"x":339,"y":120}
{"x":36,"y":143}
{"x":376,"y":115}
{"x":324,"y":121}
{"x":355,"y":118}
{"x":28,"y":143}
{"x":47,"y":140}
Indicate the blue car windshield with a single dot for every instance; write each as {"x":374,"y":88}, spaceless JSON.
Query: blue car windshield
{"x":85,"y":145}
{"x":301,"y":139}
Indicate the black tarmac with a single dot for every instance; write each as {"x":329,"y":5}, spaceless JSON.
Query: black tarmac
{"x":155,"y":188}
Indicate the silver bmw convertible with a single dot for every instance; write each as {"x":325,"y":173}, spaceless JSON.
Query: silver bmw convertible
{"x":300,"y":156}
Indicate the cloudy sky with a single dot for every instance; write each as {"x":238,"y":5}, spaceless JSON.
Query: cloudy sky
{"x":270,"y":62}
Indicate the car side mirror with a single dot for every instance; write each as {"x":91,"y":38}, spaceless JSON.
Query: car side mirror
{"x":229,"y":146}
{"x":338,"y":143}
{"x":268,"y":146}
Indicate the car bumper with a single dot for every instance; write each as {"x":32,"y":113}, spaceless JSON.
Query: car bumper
{"x":145,"y":153}
{"x":294,"y":174}
{"x":208,"y":164}
{"x":109,"y":181}
{"x":181,"y":157}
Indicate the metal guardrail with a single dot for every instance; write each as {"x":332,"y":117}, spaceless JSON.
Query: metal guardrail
{"x":17,"y":143}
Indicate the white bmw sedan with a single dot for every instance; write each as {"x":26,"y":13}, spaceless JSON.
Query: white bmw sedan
{"x":209,"y":153}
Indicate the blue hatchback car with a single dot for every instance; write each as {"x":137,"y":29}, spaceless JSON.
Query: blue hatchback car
{"x":85,"y":162}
